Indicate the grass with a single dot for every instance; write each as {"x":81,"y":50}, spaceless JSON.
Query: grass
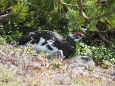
{"x":17,"y":69}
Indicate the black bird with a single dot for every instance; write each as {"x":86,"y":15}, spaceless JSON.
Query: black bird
{"x":51,"y":42}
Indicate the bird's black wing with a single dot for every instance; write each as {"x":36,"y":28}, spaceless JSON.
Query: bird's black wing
{"x":68,"y":49}
{"x":33,"y":37}
{"x":67,"y":46}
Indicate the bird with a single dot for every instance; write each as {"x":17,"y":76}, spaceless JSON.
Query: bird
{"x":51,"y":42}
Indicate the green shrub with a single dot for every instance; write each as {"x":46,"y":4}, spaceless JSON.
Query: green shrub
{"x":31,"y":15}
{"x":101,"y":54}
{"x":55,"y":63}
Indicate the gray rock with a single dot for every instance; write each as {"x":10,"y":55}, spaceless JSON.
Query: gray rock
{"x":81,"y":62}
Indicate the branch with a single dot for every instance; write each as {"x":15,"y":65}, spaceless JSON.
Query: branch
{"x":80,"y":4}
{"x":112,"y":31}
{"x":3,"y":16}
{"x":63,"y":3}
{"x":100,"y":16}
{"x":103,"y":38}
{"x":80,"y":7}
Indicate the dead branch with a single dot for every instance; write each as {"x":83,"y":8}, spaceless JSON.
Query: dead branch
{"x":106,"y":31}
{"x":3,"y":16}
{"x":103,"y":38}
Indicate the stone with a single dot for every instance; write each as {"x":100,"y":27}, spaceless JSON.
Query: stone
{"x":81,"y":62}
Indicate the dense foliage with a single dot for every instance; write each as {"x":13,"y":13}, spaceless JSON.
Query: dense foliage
{"x":95,"y":18}
{"x":102,"y":55}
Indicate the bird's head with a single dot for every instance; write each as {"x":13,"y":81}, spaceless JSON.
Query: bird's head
{"x":76,"y":36}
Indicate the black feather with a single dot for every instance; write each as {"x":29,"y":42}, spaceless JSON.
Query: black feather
{"x":66,"y":44}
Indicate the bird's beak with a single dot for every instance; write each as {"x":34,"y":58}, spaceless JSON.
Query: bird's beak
{"x":83,"y":35}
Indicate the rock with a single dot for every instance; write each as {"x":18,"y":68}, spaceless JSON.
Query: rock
{"x":81,"y":62}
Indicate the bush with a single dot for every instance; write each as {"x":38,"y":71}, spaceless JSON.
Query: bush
{"x":32,"y":15}
{"x":100,"y":54}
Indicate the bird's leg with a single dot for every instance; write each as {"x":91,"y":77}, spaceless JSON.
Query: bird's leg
{"x":61,"y":54}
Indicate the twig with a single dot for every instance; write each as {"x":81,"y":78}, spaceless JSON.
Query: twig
{"x":3,"y":55}
{"x":63,"y":3}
